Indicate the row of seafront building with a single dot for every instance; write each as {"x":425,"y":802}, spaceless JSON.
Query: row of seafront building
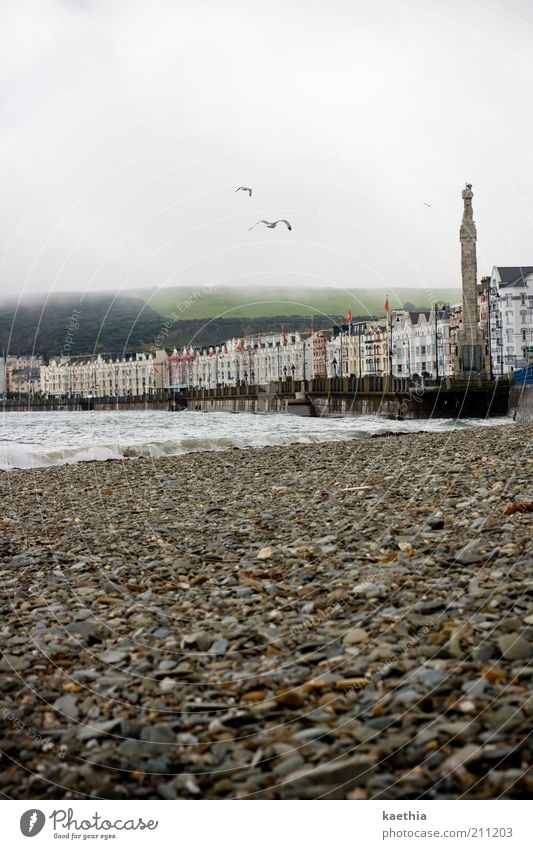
{"x":419,"y":344}
{"x":403,"y":345}
{"x":406,"y":344}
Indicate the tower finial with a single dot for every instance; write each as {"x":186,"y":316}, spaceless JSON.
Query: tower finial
{"x":468,"y":194}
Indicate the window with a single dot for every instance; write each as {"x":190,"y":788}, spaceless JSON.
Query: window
{"x":509,"y":335}
{"x":523,"y":315}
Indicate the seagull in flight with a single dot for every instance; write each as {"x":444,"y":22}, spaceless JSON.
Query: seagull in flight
{"x":271,"y":224}
{"x":244,"y":189}
{"x":426,"y":204}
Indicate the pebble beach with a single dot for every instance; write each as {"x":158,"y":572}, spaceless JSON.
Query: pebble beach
{"x":349,"y":620}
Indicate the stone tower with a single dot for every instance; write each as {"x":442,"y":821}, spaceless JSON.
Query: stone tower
{"x":471,"y":355}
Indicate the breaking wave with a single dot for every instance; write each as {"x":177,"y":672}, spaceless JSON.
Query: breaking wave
{"x":41,"y":440}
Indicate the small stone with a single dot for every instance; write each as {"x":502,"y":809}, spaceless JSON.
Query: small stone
{"x":11,"y":663}
{"x":354,"y":636}
{"x":436,"y":522}
{"x":456,"y":762}
{"x":515,"y":647}
{"x":469,"y":553}
{"x":290,"y":699}
{"x":113,"y":656}
{"x":97,"y":729}
{"x":67,"y":706}
{"x":219,"y":647}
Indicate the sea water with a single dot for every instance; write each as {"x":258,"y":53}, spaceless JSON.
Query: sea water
{"x":37,"y":439}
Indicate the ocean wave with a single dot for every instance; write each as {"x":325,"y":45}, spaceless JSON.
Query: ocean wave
{"x":218,"y":435}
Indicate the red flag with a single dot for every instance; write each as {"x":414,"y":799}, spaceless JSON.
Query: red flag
{"x":387,"y":308}
{"x":349,"y":317}
{"x":285,"y":338}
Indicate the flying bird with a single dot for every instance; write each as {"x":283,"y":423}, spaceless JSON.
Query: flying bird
{"x":426,"y":204}
{"x":244,"y":189}
{"x":271,"y":224}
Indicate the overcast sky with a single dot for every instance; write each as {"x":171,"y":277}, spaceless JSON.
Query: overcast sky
{"x":126,"y":126}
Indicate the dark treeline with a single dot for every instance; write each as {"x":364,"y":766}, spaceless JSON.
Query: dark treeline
{"x":73,"y":326}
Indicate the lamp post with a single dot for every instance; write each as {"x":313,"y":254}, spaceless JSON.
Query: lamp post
{"x":499,"y":325}
{"x":486,"y":280}
{"x":436,"y":308}
{"x":360,"y":329}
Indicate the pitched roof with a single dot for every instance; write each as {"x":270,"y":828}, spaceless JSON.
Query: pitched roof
{"x":513,"y":275}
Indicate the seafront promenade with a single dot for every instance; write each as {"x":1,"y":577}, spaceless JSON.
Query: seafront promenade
{"x":348,"y":620}
{"x":391,"y":397}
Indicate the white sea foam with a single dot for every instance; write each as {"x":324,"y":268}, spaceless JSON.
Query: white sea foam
{"x":36,"y":440}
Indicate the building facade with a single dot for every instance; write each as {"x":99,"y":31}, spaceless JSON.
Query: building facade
{"x":506,"y":306}
{"x":102,"y":376}
{"x":22,"y":374}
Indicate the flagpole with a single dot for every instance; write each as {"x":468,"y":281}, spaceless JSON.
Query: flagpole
{"x":390,"y":344}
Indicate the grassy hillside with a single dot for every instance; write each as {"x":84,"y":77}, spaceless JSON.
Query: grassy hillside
{"x":178,"y":317}
{"x":103,"y":324}
{"x":189,"y":303}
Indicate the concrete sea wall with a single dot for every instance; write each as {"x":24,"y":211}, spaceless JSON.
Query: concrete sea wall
{"x":521,"y":403}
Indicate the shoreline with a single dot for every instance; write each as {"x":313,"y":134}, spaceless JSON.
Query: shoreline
{"x":344,"y":619}
{"x":139,"y":450}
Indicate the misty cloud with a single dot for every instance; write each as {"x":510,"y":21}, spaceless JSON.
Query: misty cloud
{"x":126,"y":126}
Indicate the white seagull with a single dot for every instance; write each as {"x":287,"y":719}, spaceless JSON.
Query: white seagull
{"x":426,"y":204}
{"x":272,"y":224}
{"x":244,"y":189}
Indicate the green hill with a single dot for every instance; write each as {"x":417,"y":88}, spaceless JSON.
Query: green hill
{"x":104,"y":323}
{"x":179,"y":317}
{"x":191,"y":303}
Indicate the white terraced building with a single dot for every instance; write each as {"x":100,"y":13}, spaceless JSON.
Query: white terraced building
{"x":363,"y":348}
{"x":102,"y":375}
{"x":368,"y":347}
{"x":259,"y":360}
{"x":508,"y":295}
